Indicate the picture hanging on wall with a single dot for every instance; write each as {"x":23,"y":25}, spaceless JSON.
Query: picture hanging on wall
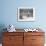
{"x":26,"y":14}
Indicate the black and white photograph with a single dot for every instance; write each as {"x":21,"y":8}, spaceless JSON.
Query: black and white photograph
{"x":26,"y":14}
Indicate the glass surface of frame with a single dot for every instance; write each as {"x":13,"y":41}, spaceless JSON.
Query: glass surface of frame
{"x":26,"y":14}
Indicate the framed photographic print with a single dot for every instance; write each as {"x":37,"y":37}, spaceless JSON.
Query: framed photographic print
{"x":26,"y":14}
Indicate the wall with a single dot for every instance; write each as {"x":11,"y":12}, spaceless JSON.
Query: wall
{"x":8,"y":14}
